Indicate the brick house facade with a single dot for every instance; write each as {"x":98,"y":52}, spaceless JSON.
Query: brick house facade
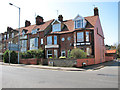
{"x":58,"y":37}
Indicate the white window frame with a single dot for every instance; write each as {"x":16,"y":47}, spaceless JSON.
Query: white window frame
{"x":88,"y":51}
{"x":63,"y":51}
{"x":55,"y":53}
{"x":82,"y":37}
{"x":56,"y":27}
{"x":5,"y":37}
{"x":12,"y":35}
{"x":48,"y":54}
{"x":55,"y":40}
{"x":8,"y":36}
{"x":34,"y":43}
{"x":48,"y":40}
{"x":41,"y":41}
{"x":87,"y":36}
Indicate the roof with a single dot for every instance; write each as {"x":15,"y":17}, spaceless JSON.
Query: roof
{"x":68,"y":23}
{"x":40,"y":27}
{"x":110,"y":51}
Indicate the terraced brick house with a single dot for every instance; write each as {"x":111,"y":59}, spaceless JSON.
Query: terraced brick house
{"x":58,"y":37}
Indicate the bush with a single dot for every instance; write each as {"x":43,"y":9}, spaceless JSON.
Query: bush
{"x":78,"y":53}
{"x":33,"y":54}
{"x":6,"y":56}
{"x":62,"y":57}
{"x":13,"y":56}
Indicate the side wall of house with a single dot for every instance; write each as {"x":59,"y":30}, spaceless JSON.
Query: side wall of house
{"x":99,"y":43}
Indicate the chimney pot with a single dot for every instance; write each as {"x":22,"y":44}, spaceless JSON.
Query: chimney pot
{"x":39,"y":20}
{"x":60,"y":18}
{"x":27,"y":23}
{"x":96,"y":13}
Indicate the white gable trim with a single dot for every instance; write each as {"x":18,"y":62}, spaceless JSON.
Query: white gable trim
{"x":78,"y":17}
{"x":55,"y":21}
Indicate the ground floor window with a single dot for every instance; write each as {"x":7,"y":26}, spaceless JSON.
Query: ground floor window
{"x":55,"y":53}
{"x":49,"y":53}
{"x":88,"y":51}
{"x":63,"y":53}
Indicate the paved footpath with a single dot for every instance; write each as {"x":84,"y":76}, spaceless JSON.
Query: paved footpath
{"x":93,"y":67}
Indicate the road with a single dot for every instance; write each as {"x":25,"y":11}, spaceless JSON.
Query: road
{"x":21,"y":77}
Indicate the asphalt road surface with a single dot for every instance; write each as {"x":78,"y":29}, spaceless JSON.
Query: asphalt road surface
{"x":20,"y":77}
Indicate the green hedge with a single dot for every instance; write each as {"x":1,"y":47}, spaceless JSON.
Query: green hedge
{"x":32,"y":54}
{"x":13,"y":56}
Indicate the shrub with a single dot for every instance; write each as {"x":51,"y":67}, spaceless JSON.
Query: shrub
{"x":6,"y":56}
{"x":13,"y":56}
{"x":78,"y":53}
{"x":33,"y":54}
{"x":62,"y":57}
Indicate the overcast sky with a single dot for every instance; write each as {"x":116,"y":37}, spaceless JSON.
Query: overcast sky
{"x":108,"y":12}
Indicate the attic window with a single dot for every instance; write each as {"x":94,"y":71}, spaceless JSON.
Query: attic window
{"x":56,"y":27}
{"x":23,"y":33}
{"x":34,"y":31}
{"x":79,"y":24}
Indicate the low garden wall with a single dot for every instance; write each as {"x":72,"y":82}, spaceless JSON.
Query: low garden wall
{"x":62,"y":62}
{"x":31,"y":61}
{"x":88,"y":61}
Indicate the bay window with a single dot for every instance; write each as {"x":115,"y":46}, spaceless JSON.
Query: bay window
{"x":41,"y":41}
{"x":87,"y":36}
{"x":33,"y":43}
{"x":49,"y":40}
{"x":49,"y":53}
{"x":55,"y":40}
{"x":80,"y":37}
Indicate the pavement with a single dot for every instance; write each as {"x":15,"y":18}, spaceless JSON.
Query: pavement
{"x":92,"y":67}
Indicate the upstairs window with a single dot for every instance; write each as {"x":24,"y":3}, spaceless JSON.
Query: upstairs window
{"x":49,"y":40}
{"x":23,"y":33}
{"x":55,"y":40}
{"x":33,"y":43}
{"x":87,"y":36}
{"x":4,"y":37}
{"x":79,"y":24}
{"x":56,"y":27}
{"x":12,"y":35}
{"x":80,"y":37}
{"x":7,"y":36}
{"x":34,"y":31}
{"x":0,"y":37}
{"x":41,"y":41}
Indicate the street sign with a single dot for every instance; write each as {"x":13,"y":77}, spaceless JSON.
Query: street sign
{"x":13,"y":47}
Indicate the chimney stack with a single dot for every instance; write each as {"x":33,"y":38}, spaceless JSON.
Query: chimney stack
{"x":27,"y":23}
{"x":96,"y":13}
{"x":39,"y":20}
{"x":60,"y":18}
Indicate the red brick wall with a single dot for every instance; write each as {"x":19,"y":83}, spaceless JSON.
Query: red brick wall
{"x":88,"y":61}
{"x":109,"y":58}
{"x":29,"y":61}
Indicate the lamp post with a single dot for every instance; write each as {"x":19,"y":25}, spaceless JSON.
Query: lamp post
{"x":18,"y":30}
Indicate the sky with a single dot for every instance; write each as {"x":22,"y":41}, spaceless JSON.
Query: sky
{"x":108,"y":13}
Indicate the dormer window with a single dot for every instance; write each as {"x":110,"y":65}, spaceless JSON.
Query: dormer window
{"x":79,"y":22}
{"x":34,"y":31}
{"x":56,"y":26}
{"x":12,"y":35}
{"x":7,"y":36}
{"x":23,"y":33}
